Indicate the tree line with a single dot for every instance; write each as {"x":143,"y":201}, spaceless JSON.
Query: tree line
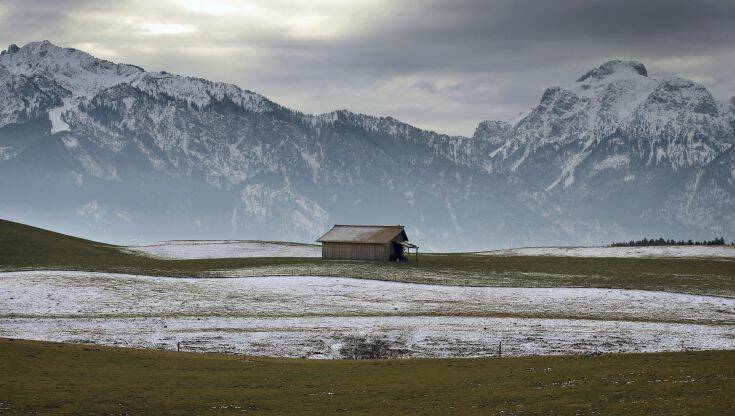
{"x":669,"y":242}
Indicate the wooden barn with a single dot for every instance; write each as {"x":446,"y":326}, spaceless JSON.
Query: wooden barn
{"x":366,"y":242}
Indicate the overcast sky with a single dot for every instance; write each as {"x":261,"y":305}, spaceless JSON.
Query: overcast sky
{"x":438,"y":64}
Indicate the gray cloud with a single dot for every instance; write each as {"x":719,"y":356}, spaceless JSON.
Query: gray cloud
{"x":438,"y":64}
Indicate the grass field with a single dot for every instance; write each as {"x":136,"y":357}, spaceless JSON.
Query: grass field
{"x":48,"y":378}
{"x":27,"y":248}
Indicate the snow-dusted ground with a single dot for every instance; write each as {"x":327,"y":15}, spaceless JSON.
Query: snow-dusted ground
{"x":210,"y":249}
{"x":207,"y":249}
{"x":658,"y":251}
{"x":310,"y":316}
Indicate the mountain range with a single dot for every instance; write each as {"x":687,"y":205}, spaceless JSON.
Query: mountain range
{"x":116,"y":153}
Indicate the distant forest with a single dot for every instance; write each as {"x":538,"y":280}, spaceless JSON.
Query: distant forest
{"x":669,"y":242}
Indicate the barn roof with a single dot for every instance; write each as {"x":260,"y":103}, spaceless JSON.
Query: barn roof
{"x":366,"y":234}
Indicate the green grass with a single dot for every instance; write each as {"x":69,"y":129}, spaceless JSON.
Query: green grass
{"x":26,"y":248}
{"x":23,"y":247}
{"x":48,"y":378}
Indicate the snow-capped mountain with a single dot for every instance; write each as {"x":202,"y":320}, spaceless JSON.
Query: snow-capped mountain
{"x":117,"y":153}
{"x":619,"y":146}
{"x":673,"y":121}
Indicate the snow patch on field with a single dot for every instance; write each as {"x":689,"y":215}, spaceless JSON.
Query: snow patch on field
{"x":659,"y":251}
{"x":303,"y":316}
{"x":210,"y":249}
{"x":322,"y":337}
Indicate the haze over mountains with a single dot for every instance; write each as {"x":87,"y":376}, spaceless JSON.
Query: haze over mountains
{"x":115,"y":153}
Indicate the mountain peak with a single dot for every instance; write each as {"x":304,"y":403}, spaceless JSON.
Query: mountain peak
{"x":31,"y":48}
{"x":12,"y":48}
{"x":41,"y":44}
{"x":76,"y":71}
{"x":491,"y":128}
{"x":615,"y":67}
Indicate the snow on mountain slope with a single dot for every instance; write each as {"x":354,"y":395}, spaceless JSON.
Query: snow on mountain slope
{"x":199,"y":91}
{"x":674,"y":121}
{"x":683,"y":123}
{"x":78,"y":72}
{"x":82,"y":76}
{"x":26,"y":97}
{"x":583,"y":112}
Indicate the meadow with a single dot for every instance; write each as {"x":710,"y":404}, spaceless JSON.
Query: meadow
{"x":49,"y":378}
{"x":86,"y":377}
{"x":28,"y":248}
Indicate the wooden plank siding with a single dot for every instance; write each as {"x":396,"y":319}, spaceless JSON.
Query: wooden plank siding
{"x":355,"y":251}
{"x":365,"y":242}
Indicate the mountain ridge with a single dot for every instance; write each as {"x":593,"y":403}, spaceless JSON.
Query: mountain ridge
{"x":228,"y":162}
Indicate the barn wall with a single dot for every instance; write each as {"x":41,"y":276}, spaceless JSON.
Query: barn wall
{"x":352,"y":251}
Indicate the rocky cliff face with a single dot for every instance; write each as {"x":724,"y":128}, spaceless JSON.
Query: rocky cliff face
{"x":119,"y":153}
